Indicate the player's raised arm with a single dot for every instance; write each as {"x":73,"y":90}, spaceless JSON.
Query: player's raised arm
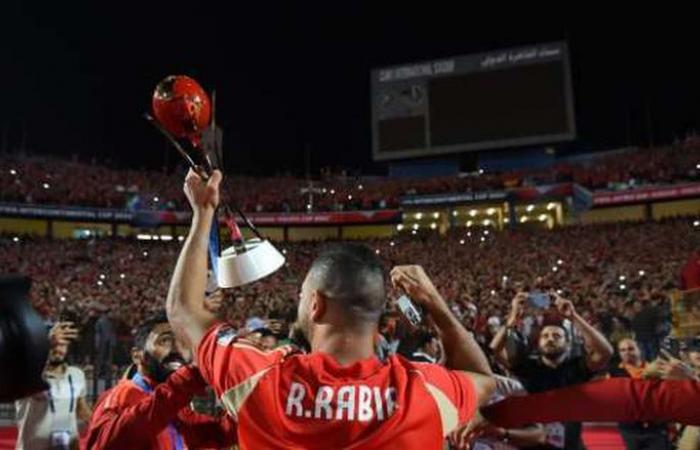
{"x":185,"y":303}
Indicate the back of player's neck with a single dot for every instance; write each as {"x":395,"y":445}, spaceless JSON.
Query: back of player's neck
{"x":346,"y":347}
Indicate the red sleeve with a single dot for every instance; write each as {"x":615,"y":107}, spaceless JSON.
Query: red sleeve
{"x":225,"y":360}
{"x":456,"y":386}
{"x":128,"y":418}
{"x":202,"y":431}
{"x":611,"y":400}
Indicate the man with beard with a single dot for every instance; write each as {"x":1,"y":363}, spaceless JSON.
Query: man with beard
{"x":340,"y":395}
{"x":150,"y":410}
{"x":554,"y":365}
{"x":48,"y":420}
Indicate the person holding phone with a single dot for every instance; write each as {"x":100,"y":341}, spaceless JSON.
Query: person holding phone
{"x":553,"y":365}
{"x":48,"y":420}
{"x":340,"y":394}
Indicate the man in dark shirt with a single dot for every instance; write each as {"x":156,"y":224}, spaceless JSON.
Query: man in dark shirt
{"x":554,"y":365}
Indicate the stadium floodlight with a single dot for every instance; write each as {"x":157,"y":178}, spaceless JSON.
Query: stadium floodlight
{"x":524,"y":219}
{"x":461,"y":241}
{"x":551,"y":206}
{"x":455,"y":213}
{"x":530,"y":208}
{"x":13,"y":172}
{"x":433,"y":226}
{"x":472,"y":212}
{"x":491,"y":211}
{"x":46,"y":185}
{"x":143,"y":237}
{"x":419,"y":216}
{"x":399,"y":227}
{"x":156,"y":199}
{"x":543,"y":217}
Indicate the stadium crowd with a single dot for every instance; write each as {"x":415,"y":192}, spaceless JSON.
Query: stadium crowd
{"x":62,"y":182}
{"x":614,"y":274}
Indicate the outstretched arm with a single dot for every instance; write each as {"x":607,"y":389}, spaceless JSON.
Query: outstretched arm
{"x":185,"y":303}
{"x":611,"y":400}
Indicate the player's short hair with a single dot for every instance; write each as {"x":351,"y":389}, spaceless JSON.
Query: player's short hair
{"x":146,"y":327}
{"x":352,"y":276}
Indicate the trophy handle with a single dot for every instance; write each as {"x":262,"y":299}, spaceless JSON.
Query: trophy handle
{"x":202,"y":172}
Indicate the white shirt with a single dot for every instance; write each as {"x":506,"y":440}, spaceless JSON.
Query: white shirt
{"x":52,"y":411}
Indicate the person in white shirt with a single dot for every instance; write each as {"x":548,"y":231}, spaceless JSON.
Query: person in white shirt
{"x":48,"y":420}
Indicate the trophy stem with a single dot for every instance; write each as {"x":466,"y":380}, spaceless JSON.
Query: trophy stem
{"x":193,"y":165}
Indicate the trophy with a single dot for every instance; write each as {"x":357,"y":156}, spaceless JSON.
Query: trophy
{"x":184,"y":114}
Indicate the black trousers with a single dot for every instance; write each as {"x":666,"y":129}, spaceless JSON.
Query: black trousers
{"x":652,"y":440}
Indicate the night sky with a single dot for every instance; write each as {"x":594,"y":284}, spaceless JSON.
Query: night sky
{"x":77,"y":78}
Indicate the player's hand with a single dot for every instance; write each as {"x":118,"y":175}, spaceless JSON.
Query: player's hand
{"x":415,"y":282}
{"x":671,"y":368}
{"x":517,"y":308}
{"x":62,"y":333}
{"x":202,"y":195}
{"x":463,"y":437}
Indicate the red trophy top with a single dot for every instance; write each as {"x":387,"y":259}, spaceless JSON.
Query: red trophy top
{"x":182,"y":107}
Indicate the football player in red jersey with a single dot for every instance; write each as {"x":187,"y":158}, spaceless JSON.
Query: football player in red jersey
{"x":150,"y":411}
{"x":340,"y":395}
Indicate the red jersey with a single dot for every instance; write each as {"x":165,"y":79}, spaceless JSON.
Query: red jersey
{"x":135,"y":414}
{"x":283,"y":400}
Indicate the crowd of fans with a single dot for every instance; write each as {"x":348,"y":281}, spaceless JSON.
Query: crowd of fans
{"x":62,"y":182}
{"x":614,"y":274}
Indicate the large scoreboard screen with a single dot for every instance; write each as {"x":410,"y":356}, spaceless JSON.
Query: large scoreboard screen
{"x":504,"y":98}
